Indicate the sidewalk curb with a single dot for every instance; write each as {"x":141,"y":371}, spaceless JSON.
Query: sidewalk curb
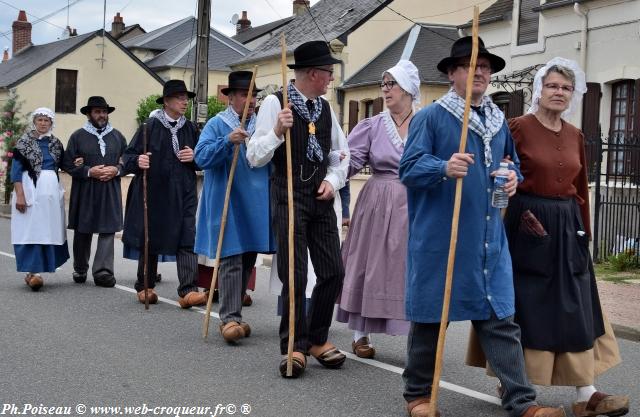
{"x":626,"y":332}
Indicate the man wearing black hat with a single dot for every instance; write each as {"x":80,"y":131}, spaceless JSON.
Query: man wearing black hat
{"x":315,"y":133}
{"x":92,"y":158}
{"x":171,"y":195}
{"x":248,"y":228}
{"x":482,"y":281}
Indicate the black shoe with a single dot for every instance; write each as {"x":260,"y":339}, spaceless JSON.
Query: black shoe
{"x":79,"y":278}
{"x":158,"y":277}
{"x":106,"y":281}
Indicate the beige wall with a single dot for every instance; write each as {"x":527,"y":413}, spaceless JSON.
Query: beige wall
{"x":121,"y":81}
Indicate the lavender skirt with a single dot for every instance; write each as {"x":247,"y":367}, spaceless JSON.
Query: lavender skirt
{"x":374,"y":255}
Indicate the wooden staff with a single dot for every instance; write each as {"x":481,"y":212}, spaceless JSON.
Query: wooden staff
{"x":225,"y":207}
{"x":292,"y":301}
{"x":454,"y":222}
{"x":146,"y":222}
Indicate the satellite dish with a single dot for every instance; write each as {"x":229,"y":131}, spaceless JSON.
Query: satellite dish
{"x":235,"y":18}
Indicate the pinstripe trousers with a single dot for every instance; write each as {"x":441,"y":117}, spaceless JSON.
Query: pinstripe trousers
{"x":187,"y":265}
{"x":315,"y":229}
{"x":234,"y":276}
{"x":500,"y":341}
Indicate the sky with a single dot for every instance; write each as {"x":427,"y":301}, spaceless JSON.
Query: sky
{"x":87,"y":15}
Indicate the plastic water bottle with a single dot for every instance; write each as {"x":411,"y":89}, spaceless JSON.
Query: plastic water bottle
{"x":500,"y":198}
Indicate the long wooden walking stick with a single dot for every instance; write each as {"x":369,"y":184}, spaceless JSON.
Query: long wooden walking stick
{"x":435,"y":387}
{"x":225,"y":207}
{"x":146,"y":222}
{"x":292,"y":301}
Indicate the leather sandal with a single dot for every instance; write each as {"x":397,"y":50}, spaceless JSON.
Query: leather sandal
{"x":34,"y":281}
{"x":601,"y":404}
{"x":420,"y":407}
{"x":232,"y":331}
{"x":363,"y":349}
{"x":331,"y":358}
{"x":298,"y":366}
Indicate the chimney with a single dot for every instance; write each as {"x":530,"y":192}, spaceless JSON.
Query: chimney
{"x":243,"y":23}
{"x":5,"y":55}
{"x":300,"y":7}
{"x":117,"y":26}
{"x":21,"y":33}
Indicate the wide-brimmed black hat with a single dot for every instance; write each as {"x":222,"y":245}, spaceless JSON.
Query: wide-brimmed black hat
{"x":462,"y":48}
{"x":173,"y":87}
{"x":313,"y":54}
{"x":96,"y":101}
{"x":239,"y":80}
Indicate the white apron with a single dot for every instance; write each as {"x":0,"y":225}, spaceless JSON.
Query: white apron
{"x":275,"y":286}
{"x":43,"y":222}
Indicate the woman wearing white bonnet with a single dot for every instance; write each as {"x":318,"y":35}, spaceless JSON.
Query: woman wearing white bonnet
{"x":375,"y":250}
{"x":38,"y":225}
{"x":566,"y":337}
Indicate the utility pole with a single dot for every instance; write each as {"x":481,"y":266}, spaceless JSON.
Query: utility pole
{"x":201,"y":76}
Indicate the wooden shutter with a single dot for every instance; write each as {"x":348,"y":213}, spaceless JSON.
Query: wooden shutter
{"x":528,"y":22}
{"x":353,"y":114}
{"x":377,"y":105}
{"x":66,"y":90}
{"x":515,"y":108}
{"x":591,"y":111}
{"x":221,"y":97}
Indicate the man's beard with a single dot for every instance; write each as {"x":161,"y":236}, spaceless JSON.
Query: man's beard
{"x":99,"y":124}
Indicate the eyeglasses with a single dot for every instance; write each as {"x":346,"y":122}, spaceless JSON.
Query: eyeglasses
{"x":485,"y":68}
{"x":388,"y":84}
{"x":564,"y":88}
{"x":330,"y":71}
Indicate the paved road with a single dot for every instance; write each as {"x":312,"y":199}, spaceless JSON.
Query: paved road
{"x":73,"y":344}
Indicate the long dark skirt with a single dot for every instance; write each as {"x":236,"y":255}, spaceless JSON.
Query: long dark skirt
{"x":557,"y":302}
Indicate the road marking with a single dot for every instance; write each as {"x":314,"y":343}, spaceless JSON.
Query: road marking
{"x":371,"y":362}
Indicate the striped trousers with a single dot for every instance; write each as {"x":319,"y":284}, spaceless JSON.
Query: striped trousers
{"x":234,"y":276}
{"x":314,"y":229}
{"x":187,"y":265}
{"x":500,"y":341}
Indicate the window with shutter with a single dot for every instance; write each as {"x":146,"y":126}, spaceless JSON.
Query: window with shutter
{"x":66,"y":90}
{"x":378,"y":104}
{"x":528,"y":22}
{"x":623,"y":109}
{"x":591,"y":112}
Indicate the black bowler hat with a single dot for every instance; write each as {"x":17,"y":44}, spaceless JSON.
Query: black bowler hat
{"x":239,"y":80}
{"x":173,"y":87}
{"x":313,"y":54}
{"x":96,"y":101}
{"x":462,"y":49}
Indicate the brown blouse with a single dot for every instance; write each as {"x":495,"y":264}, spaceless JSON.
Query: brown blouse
{"x":553,"y":163}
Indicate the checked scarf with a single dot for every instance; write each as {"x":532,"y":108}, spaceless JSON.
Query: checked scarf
{"x":494,"y":118}
{"x":99,"y":133}
{"x":314,"y":151}
{"x":232,"y":119}
{"x":173,"y":129}
{"x":30,"y":155}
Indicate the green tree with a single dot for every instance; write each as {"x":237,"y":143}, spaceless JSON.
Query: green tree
{"x":11,"y":128}
{"x":148,"y":104}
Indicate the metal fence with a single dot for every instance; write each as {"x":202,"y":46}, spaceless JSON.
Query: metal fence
{"x":614,"y":167}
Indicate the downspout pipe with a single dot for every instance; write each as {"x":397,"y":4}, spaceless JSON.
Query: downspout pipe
{"x":584,"y":31}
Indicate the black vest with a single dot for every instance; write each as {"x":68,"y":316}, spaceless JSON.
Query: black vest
{"x":306,"y":174}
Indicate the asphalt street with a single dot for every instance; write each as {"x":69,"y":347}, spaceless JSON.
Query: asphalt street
{"x":78,"y":344}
